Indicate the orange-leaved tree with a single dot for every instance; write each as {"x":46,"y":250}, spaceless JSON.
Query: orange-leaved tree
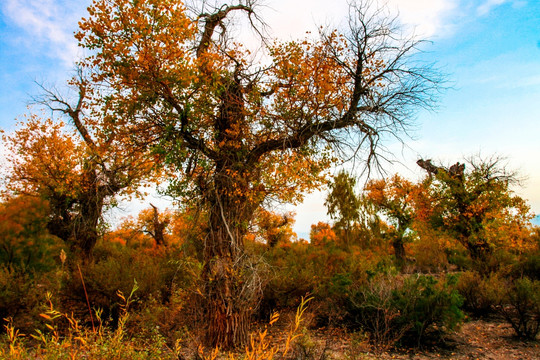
{"x":76,"y":169}
{"x":150,"y":228}
{"x":322,"y":234}
{"x":394,"y":198}
{"x":274,"y":228}
{"x":475,"y":204}
{"x":235,"y":129}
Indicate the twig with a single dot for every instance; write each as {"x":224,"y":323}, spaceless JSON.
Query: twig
{"x":87,"y":301}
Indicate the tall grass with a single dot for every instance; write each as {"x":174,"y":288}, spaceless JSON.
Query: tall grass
{"x":76,"y":341}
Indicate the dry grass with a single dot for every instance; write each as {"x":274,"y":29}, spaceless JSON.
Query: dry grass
{"x":75,"y":341}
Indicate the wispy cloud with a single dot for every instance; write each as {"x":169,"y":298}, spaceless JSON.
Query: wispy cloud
{"x":46,"y":24}
{"x":293,"y":18}
{"x":429,"y":17}
{"x":488,"y":5}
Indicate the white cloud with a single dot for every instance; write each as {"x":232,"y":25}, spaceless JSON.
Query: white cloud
{"x":46,"y":23}
{"x":311,"y":211}
{"x":488,"y":5}
{"x":292,"y":18}
{"x":429,"y":17}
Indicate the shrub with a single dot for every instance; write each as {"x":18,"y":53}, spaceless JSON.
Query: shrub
{"x":116,"y":268}
{"x":102,"y":342}
{"x":529,"y":267}
{"x":521,"y":307}
{"x":428,"y":304}
{"x":392,"y":308}
{"x":370,"y":308}
{"x":326,"y":272}
{"x":21,"y":295}
{"x":480,"y":293}
{"x":430,"y":252}
{"x":78,"y":342}
{"x":25,"y":241}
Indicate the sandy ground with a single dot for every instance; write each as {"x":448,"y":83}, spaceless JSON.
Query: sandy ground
{"x":476,"y":339}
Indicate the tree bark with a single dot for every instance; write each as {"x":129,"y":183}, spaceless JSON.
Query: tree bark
{"x":158,"y":232}
{"x":399,"y":249}
{"x":229,"y":302}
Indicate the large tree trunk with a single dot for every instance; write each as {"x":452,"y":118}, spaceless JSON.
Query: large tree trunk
{"x":91,"y":202}
{"x":228,"y":310}
{"x":228,"y":304}
{"x":230,"y":300}
{"x":229,"y":294}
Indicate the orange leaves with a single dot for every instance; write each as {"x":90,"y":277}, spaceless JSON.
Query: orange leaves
{"x":137,"y":39}
{"x":204,"y":102}
{"x":44,"y":155}
{"x":288,"y":174}
{"x":309,"y":82}
{"x":275,"y":228}
{"x":394,"y":197}
{"x":322,"y":234}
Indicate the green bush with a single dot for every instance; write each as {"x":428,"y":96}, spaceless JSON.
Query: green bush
{"x":25,"y":242}
{"x":326,"y":272}
{"x":529,"y":267}
{"x":428,"y":304}
{"x":521,"y":307}
{"x":394,"y":308}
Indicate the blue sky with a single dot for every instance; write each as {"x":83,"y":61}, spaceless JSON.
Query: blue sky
{"x":490,"y":50}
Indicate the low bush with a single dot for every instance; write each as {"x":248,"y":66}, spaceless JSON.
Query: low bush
{"x":521,"y":307}
{"x":395,"y":308}
{"x":101,"y":342}
{"x":326,"y":272}
{"x":157,"y":273}
{"x":75,"y":341}
{"x":22,"y":293}
{"x":430,"y":252}
{"x":528,"y":266}
{"x":480,"y":293}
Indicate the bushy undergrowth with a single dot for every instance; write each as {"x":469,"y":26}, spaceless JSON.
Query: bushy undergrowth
{"x":365,"y":292}
{"x":65,"y":337}
{"x":325,"y":272}
{"x":512,"y":291}
{"x":481,"y":294}
{"x":75,"y":341}
{"x":404,"y":308}
{"x":22,"y":293}
{"x":356,"y":287}
{"x":521,"y":307}
{"x":157,"y":273}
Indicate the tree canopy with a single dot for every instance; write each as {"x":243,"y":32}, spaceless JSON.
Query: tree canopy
{"x":475,"y":204}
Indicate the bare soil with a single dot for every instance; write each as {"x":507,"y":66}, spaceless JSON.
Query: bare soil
{"x":491,"y":339}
